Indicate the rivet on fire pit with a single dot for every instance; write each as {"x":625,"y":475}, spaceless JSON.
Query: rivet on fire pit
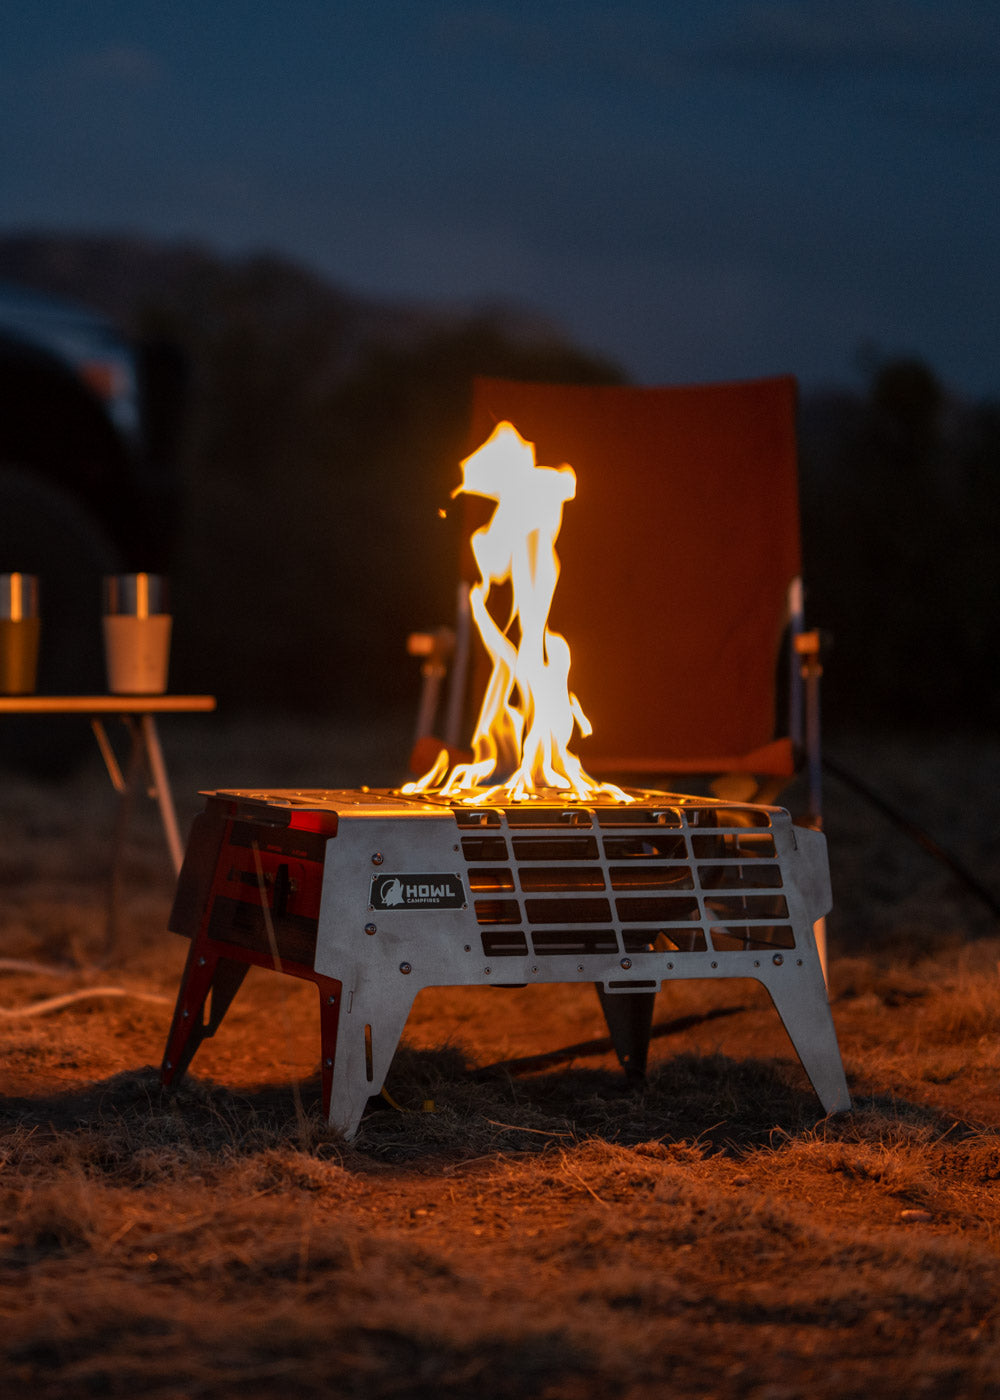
{"x":377,"y":858}
{"x":371,"y":928}
{"x":626,"y":963}
{"x":777,"y":960}
{"x":405,"y":967}
{"x":331,"y":1001}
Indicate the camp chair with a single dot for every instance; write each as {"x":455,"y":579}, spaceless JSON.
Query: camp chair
{"x":680,"y":592}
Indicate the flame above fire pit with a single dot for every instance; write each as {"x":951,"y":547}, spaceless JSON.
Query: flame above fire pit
{"x":528,"y":713}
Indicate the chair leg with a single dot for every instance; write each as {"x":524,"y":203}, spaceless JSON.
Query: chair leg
{"x":630,"y":1020}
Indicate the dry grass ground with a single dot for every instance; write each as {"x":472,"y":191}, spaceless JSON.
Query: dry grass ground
{"x":543,"y":1232}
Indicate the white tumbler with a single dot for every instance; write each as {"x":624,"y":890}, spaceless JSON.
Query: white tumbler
{"x":137,"y":624}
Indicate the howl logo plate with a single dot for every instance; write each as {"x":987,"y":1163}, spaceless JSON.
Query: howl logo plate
{"x":437,"y":891}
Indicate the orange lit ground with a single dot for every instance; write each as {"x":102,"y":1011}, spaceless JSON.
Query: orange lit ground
{"x":549,"y":1234}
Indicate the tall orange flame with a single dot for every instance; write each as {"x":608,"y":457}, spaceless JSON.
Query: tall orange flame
{"x":528,"y":712}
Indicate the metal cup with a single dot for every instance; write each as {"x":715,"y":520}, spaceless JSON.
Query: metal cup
{"x":19,"y":629}
{"x":137,"y":626}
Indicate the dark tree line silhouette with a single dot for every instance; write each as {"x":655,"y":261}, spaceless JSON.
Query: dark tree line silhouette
{"x":321,"y":436}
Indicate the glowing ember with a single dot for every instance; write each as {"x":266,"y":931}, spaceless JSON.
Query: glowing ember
{"x":528,"y":712}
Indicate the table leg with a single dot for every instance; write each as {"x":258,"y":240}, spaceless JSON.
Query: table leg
{"x":108,"y":754}
{"x":161,"y":787}
{"x":125,"y":786}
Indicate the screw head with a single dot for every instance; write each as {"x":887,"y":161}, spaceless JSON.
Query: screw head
{"x":377,"y":858}
{"x":371,"y":928}
{"x":777,"y":960}
{"x":626,"y":963}
{"x":405,"y":967}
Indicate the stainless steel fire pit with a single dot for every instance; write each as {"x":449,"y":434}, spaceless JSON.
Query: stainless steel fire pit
{"x":372,"y":896}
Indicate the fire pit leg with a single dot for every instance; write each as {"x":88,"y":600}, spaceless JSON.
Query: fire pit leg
{"x":804,"y":1009}
{"x":205,"y":972}
{"x":630,"y":1020}
{"x":371,"y":1022}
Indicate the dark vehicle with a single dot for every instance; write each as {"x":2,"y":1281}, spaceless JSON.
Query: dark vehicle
{"x":87,"y":485}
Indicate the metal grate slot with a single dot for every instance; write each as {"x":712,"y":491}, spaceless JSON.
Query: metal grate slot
{"x":677,"y":940}
{"x":758,"y":938}
{"x":646,"y":846}
{"x":748,"y":906}
{"x":740,"y":817}
{"x":498,"y":911}
{"x":567,"y":911}
{"x":560,"y":877}
{"x":740,"y":877}
{"x":490,"y":877}
{"x":555,"y":848}
{"x":574,"y":942}
{"x":658,"y":909}
{"x":471,"y":817}
{"x":504,"y":943}
{"x":484,"y":848}
{"x":651,"y":877}
{"x":639,"y":816}
{"x":530,"y":815}
{"x":734,"y":845}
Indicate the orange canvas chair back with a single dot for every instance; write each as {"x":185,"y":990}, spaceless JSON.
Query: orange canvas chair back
{"x":678,"y":554}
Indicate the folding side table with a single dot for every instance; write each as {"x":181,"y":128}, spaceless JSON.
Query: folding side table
{"x":138,"y":714}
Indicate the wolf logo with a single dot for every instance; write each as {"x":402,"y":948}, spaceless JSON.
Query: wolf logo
{"x":391,"y":892}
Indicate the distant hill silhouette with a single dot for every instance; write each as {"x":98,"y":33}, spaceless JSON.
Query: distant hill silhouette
{"x":322,"y":434}
{"x":151,"y":288}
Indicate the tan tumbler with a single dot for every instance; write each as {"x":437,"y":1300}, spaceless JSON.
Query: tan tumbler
{"x":19,"y":628}
{"x":136,"y":633}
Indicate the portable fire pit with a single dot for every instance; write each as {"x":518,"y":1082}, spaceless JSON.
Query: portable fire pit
{"x":512,"y":867}
{"x":373,"y":895}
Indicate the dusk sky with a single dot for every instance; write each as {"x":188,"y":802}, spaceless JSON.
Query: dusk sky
{"x":698,"y":191}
